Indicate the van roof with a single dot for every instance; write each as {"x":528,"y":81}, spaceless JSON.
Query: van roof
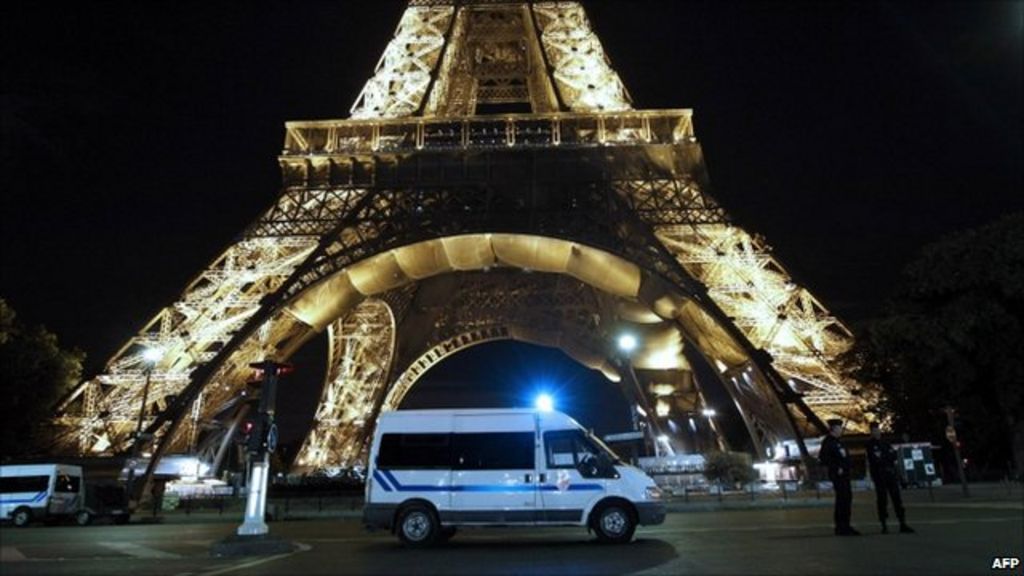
{"x":23,"y":469}
{"x":548,"y":418}
{"x":451,"y":411}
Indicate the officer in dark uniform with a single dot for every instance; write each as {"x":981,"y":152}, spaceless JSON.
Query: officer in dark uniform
{"x":882,"y":462}
{"x":834,"y":456}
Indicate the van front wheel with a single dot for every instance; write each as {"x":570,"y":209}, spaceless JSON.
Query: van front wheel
{"x":614,"y":524}
{"x":22,"y":517}
{"x":418,"y":526}
{"x":83,"y":518}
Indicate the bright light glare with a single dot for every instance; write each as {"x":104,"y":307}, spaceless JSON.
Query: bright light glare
{"x":545,"y":403}
{"x":663,"y":439}
{"x":709,"y":412}
{"x":627,"y":342}
{"x":153,"y":354}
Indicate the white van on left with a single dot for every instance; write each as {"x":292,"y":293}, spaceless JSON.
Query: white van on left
{"x":41,"y":492}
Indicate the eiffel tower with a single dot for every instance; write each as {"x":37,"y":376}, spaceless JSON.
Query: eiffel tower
{"x":493,"y":182}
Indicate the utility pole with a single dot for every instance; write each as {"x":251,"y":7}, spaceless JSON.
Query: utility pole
{"x":951,"y":436}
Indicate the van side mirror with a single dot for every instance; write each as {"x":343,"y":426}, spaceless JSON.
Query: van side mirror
{"x":589,"y":466}
{"x":606,"y":466}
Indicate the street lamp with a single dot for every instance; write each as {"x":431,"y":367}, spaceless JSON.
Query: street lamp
{"x":627,"y":343}
{"x":708,"y":437}
{"x":151,"y":356}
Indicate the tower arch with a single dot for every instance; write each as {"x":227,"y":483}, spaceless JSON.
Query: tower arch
{"x":622,"y":296}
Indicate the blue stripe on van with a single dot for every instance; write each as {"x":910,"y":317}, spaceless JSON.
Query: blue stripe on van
{"x":414,"y":487}
{"x":380,"y":480}
{"x":479,"y":487}
{"x":572,"y":487}
{"x":38,"y":498}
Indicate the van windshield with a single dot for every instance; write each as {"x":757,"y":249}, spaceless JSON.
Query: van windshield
{"x":67,"y":483}
{"x":604,"y":448}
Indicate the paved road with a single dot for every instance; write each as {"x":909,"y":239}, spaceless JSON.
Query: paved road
{"x":953,"y":538}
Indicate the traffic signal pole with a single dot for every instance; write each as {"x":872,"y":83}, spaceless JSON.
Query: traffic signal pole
{"x":262,"y":441}
{"x":254,"y":523}
{"x":951,"y":436}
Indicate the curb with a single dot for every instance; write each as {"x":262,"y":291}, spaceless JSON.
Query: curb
{"x":754,"y":505}
{"x":701,"y":503}
{"x":671,"y":508}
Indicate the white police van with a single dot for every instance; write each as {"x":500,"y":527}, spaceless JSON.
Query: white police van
{"x":41,"y":492}
{"x":431,"y":471}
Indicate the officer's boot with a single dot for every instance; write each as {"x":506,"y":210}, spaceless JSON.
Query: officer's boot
{"x":885,"y":529}
{"x":904,"y":528}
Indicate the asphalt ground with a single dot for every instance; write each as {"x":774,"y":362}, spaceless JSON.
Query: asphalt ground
{"x":956,"y":536}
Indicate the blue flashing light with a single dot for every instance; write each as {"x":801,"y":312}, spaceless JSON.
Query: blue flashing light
{"x":545,"y":403}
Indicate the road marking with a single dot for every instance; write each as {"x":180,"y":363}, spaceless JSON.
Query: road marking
{"x":248,"y":564}
{"x":11,"y":554}
{"x":301,"y":548}
{"x":138,"y":551}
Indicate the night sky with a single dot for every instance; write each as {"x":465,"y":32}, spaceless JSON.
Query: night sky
{"x":139,"y":138}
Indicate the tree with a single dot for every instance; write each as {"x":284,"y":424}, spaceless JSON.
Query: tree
{"x":34,"y":374}
{"x":952,"y":334}
{"x":728,"y":468}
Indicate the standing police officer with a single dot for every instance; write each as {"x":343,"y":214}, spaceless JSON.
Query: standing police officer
{"x":834,"y":456}
{"x":882,"y":462}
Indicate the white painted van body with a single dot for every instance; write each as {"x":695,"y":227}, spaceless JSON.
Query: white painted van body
{"x":500,"y":467}
{"x":40,"y":491}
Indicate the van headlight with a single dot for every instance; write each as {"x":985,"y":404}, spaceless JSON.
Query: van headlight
{"x":653,"y":493}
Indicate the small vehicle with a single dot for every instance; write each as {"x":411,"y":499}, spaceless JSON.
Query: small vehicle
{"x":57,"y":492}
{"x":47,"y":492}
{"x":107,"y":500}
{"x":433,"y":471}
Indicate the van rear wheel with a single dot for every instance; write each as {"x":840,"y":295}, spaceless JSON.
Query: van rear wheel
{"x":614,"y":524}
{"x":83,"y":518}
{"x":418,"y":526}
{"x":22,"y":517}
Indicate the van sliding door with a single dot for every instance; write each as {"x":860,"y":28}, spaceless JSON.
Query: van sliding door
{"x":494,"y":476}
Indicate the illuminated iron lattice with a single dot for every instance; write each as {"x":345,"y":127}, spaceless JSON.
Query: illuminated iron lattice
{"x":360,"y":356}
{"x":424,"y":225}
